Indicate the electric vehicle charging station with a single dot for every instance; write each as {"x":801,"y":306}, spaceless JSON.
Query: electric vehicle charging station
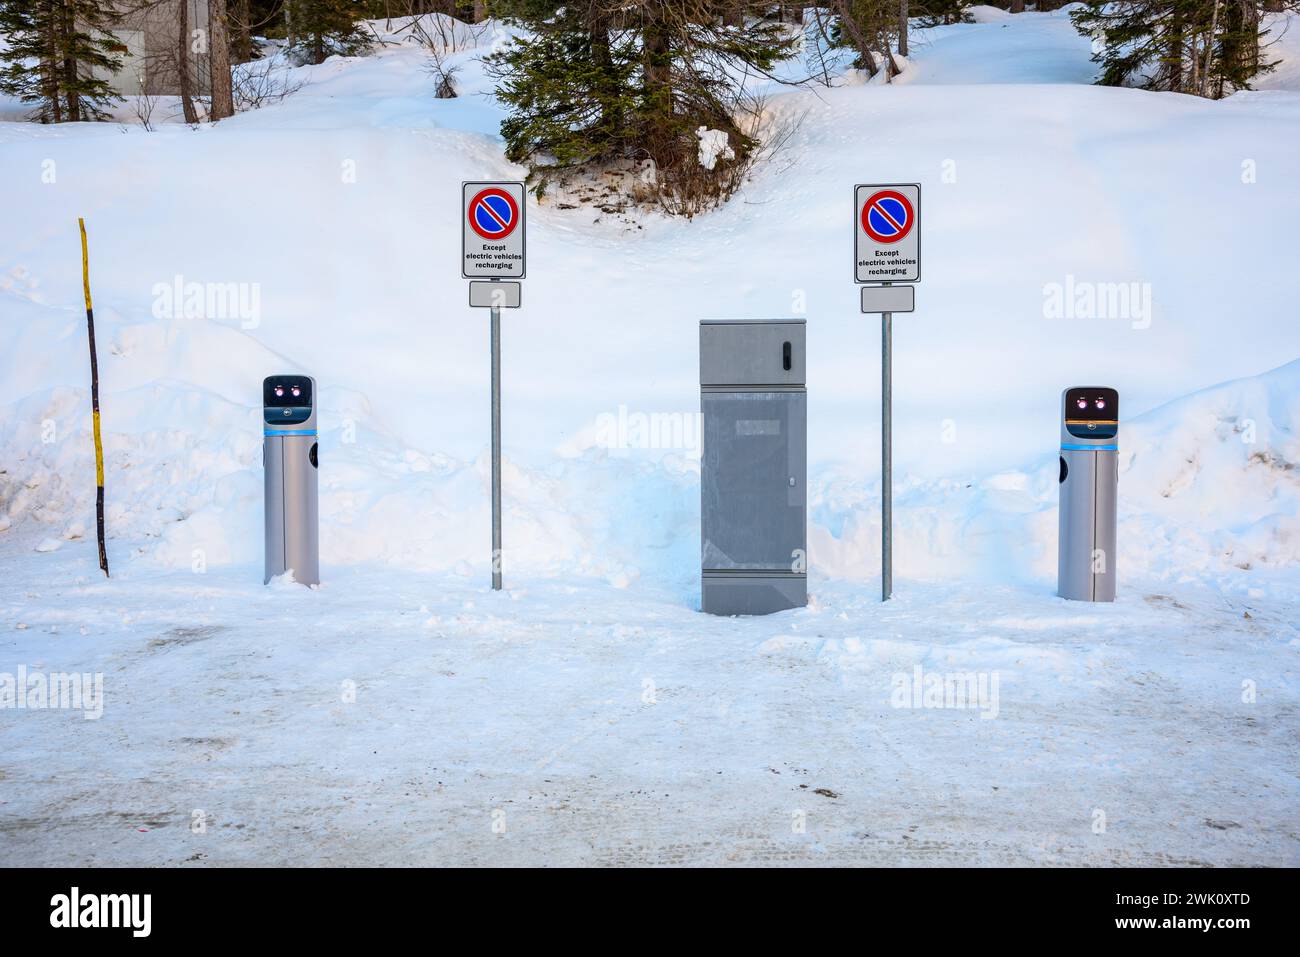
{"x":1089,"y":481}
{"x":753,"y":474}
{"x":289,"y":457}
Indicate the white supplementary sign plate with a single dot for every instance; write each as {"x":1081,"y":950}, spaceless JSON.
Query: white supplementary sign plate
{"x":889,"y":299}
{"x":499,"y":295}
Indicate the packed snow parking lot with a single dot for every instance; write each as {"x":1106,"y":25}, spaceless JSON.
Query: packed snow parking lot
{"x":403,"y":713}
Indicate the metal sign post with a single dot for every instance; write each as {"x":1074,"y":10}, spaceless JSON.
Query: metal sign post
{"x":887,"y":249}
{"x":492,"y":248}
{"x":886,"y":456}
{"x":496,"y":448}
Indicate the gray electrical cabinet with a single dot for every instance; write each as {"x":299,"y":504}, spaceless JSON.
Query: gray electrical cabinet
{"x":289,"y":455}
{"x":753,"y":473}
{"x":1089,"y":480}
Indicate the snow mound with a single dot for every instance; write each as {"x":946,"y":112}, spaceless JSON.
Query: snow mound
{"x":1210,"y":486}
{"x":983,"y":13}
{"x":1217,"y":474}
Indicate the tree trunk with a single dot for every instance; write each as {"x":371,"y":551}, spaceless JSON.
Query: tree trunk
{"x":654,"y":43}
{"x":1017,"y":6}
{"x":183,"y":77}
{"x":844,"y":10}
{"x":223,"y":103}
{"x":902,"y":28}
{"x":1253,"y":12}
{"x":480,"y":11}
{"x":71,"y":99}
{"x":50,"y":72}
{"x":892,"y":68}
{"x":656,"y":71}
{"x":603,"y":56}
{"x":1241,"y":22}
{"x":242,"y":45}
{"x":1209,"y":50}
{"x":50,"y":89}
{"x":1176,"y":52}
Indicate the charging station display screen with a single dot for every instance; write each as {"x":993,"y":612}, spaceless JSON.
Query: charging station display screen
{"x":286,"y":399}
{"x":1092,"y":412}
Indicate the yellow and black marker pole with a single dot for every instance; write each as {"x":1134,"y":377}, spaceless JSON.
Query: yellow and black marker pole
{"x":94,"y":402}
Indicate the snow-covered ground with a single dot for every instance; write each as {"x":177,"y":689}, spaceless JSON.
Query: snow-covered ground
{"x":598,"y":725}
{"x":590,"y":713}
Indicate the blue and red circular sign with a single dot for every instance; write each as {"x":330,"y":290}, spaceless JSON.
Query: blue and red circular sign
{"x":493,"y":214}
{"x":887,"y":216}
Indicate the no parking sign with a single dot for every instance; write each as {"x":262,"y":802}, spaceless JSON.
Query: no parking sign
{"x":493,"y":231}
{"x":887,"y":233}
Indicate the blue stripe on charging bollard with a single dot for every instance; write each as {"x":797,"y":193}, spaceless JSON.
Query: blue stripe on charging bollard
{"x":1089,"y":448}
{"x":289,"y":432}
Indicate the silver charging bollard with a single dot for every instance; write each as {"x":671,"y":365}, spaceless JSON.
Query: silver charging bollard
{"x":1089,"y":493}
{"x":290,"y":458}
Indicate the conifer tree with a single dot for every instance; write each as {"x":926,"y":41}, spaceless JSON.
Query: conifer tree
{"x":59,"y":56}
{"x":321,"y":28}
{"x":867,"y":27}
{"x":571,"y":87}
{"x":598,"y":81}
{"x":932,"y":13}
{"x":1203,"y":47}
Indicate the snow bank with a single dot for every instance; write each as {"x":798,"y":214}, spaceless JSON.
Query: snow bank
{"x":1210,"y":486}
{"x":1217,"y":476}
